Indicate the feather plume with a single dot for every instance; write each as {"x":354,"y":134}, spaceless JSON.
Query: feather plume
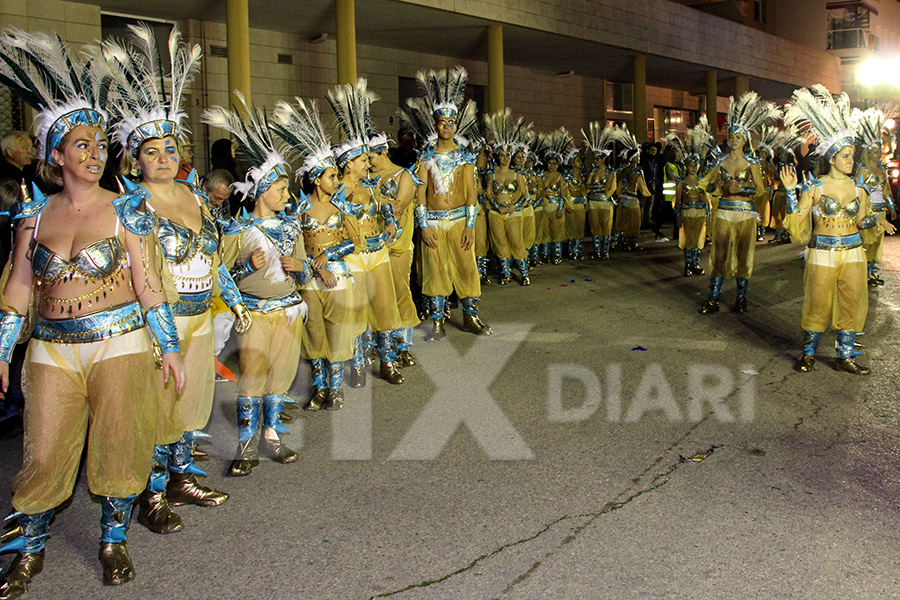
{"x":816,"y":113}
{"x":630,"y":149}
{"x":300,"y":126}
{"x":598,"y":137}
{"x":445,"y":88}
{"x":749,"y":112}
{"x":351,"y":105}
{"x":506,"y":133}
{"x":415,"y":115}
{"x":556,"y":145}
{"x":869,"y":125}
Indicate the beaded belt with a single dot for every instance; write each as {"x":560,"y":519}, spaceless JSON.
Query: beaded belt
{"x":450,"y":214}
{"x":736,"y":205}
{"x":835,"y":242}
{"x":192,"y":304}
{"x":94,"y":327}
{"x":271,"y":304}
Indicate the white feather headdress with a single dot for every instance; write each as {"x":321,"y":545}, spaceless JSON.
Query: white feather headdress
{"x":444,"y":89}
{"x":250,"y":129}
{"x":599,"y":137}
{"x":748,"y":112}
{"x":869,"y":126}
{"x":301,"y":127}
{"x":817,"y":113}
{"x":631,"y":150}
{"x":143,"y":105}
{"x":556,"y":145}
{"x":416,"y":116}
{"x":506,"y":133}
{"x":352,"y":108}
{"x":66,"y":90}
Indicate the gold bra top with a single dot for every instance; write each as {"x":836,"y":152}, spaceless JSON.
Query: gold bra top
{"x":509,"y":188}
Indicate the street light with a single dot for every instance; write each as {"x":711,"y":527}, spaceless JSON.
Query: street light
{"x":878,"y":70}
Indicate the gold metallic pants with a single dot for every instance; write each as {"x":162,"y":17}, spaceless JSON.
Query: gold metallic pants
{"x":106,"y":390}
{"x":481,"y":234}
{"x":401,"y":263}
{"x":529,"y":227}
{"x":834,"y":290}
{"x":331,"y":327}
{"x":628,"y":220}
{"x":556,"y":224}
{"x":269,"y":353}
{"x":600,"y":215}
{"x":575,"y":222}
{"x":692,"y":233}
{"x":449,"y":266}
{"x":506,"y":235}
{"x":733,"y":243}
{"x":374,"y":289}
{"x":873,"y":242}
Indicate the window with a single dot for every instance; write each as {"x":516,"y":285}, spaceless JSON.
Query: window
{"x":759,"y":11}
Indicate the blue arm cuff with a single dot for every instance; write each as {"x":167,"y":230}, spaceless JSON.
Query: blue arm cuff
{"x":339,"y":251}
{"x":868,"y":222}
{"x":162,"y":327}
{"x":304,"y":275}
{"x":791,"y":201}
{"x":421,"y":217}
{"x":471,"y":214}
{"x":230,"y":293}
{"x":10,"y":328}
{"x":387,"y":211}
{"x":239,"y":272}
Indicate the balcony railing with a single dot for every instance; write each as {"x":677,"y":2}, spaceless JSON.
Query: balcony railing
{"x":841,"y":39}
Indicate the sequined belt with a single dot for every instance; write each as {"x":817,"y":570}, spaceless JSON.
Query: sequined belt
{"x":879,"y":207}
{"x":597,"y":197}
{"x":835,"y":242}
{"x":271,"y":304}
{"x":192,"y":304}
{"x":736,"y":205}
{"x":94,"y":327}
{"x":579,"y":200}
{"x":450,"y":214}
{"x":627,"y":200}
{"x":695,"y":205}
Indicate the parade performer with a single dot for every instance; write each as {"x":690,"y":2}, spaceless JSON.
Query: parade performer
{"x":520,"y":164}
{"x":507,"y":193}
{"x":780,"y":144}
{"x":632,"y":189}
{"x":87,"y":326}
{"x":739,"y":180}
{"x":829,"y":214}
{"x":692,"y":203}
{"x":329,"y":338}
{"x":149,"y":129}
{"x":377,"y":227}
{"x":534,"y":178}
{"x":483,"y":167}
{"x":555,"y":147}
{"x":262,"y":249}
{"x":446,"y":204}
{"x":873,"y":174}
{"x":601,"y":185}
{"x":576,"y":204}
{"x":397,"y":186}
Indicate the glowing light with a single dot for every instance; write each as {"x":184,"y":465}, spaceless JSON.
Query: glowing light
{"x":878,"y":70}
{"x":890,"y":123}
{"x":895,"y":173}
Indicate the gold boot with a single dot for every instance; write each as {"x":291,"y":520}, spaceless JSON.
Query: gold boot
{"x":473,"y":324}
{"x":183,"y":488}
{"x":247,"y":458}
{"x":405,"y":359}
{"x":117,"y":567}
{"x":20,"y":573}
{"x":316,"y":400}
{"x":438,"y":332}
{"x":334,"y":400}
{"x":390,"y":373}
{"x":849,"y":365}
{"x":155,"y":514}
{"x":357,"y":376}
{"x":805,"y":363}
{"x":277,"y":451}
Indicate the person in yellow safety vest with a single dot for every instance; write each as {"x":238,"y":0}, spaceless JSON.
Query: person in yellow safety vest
{"x":673,"y":173}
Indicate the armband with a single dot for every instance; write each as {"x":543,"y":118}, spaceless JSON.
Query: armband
{"x":239,"y":272}
{"x":421,"y":217}
{"x":387,"y":211}
{"x":162,"y":328}
{"x":889,"y":202}
{"x":10,"y":328}
{"x":304,"y":275}
{"x":229,"y":290}
{"x":471,"y":213}
{"x":790,"y":197}
{"x":868,"y":222}
{"x":339,"y":250}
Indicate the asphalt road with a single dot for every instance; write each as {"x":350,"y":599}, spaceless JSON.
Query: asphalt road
{"x":545,"y":461}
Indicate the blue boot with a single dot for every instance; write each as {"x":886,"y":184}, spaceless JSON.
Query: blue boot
{"x":403,"y":342}
{"x":271,"y":443}
{"x":117,"y":567}
{"x":319,"y":374}
{"x":740,"y":303}
{"x":247,"y":457}
{"x":389,"y":371}
{"x":154,"y":510}
{"x":183,"y":486}
{"x":27,"y":539}
{"x":715,"y":290}
{"x":334,"y":399}
{"x":438,"y":316}
{"x":846,"y":360}
{"x":522,"y":265}
{"x":810,"y":343}
{"x":505,"y":271}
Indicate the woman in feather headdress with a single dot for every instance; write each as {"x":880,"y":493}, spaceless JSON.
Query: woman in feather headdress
{"x":692,"y":203}
{"x":601,"y":185}
{"x":264,"y":254}
{"x":828,"y":215}
{"x":149,"y":128}
{"x":507,"y":191}
{"x":377,"y":226}
{"x":556,"y":146}
{"x":739,"y":180}
{"x":576,"y":203}
{"x":534,"y":179}
{"x":631,"y":188}
{"x":329,"y":338}
{"x":872,"y":172}
{"x":92,"y":302}
{"x":782,"y":145}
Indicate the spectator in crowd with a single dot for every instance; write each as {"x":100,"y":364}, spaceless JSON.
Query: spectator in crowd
{"x":18,"y":154}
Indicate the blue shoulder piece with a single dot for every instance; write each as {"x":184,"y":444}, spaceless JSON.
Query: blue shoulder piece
{"x":192,"y":180}
{"x":240,"y":223}
{"x":427,"y":154}
{"x":30,"y":208}
{"x":133,"y":212}
{"x":809,"y":184}
{"x":130,"y":186}
{"x":862,"y":184}
{"x":415,"y":178}
{"x":752,"y":159}
{"x":340,"y":202}
{"x":298,"y":206}
{"x":370,"y":182}
{"x":717,"y":160}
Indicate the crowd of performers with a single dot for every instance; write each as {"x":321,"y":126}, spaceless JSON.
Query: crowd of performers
{"x":324,"y":273}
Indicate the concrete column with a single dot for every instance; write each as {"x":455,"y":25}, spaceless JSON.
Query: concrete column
{"x":237,"y":27}
{"x":741,"y":85}
{"x":640,"y":97}
{"x":712,"y":102}
{"x":345,"y":19}
{"x":495,"y":100}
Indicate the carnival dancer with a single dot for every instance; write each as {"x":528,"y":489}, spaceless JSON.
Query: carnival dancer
{"x":520,"y":164}
{"x":740,"y":182}
{"x":507,"y":192}
{"x":90,"y":314}
{"x":692,"y":203}
{"x":446,"y":204}
{"x":262,"y":249}
{"x":555,"y":147}
{"x":534,"y":178}
{"x":873,"y":174}
{"x":149,"y":129}
{"x":632,"y":189}
{"x":830,"y":213}
{"x":377,"y":227}
{"x":397,"y":187}
{"x":601,"y":185}
{"x":329,"y":338}
{"x":780,"y":144}
{"x":483,"y":167}
{"x":576,"y":204}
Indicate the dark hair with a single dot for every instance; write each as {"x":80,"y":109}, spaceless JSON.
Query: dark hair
{"x":220,"y":156}
{"x":10,"y":193}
